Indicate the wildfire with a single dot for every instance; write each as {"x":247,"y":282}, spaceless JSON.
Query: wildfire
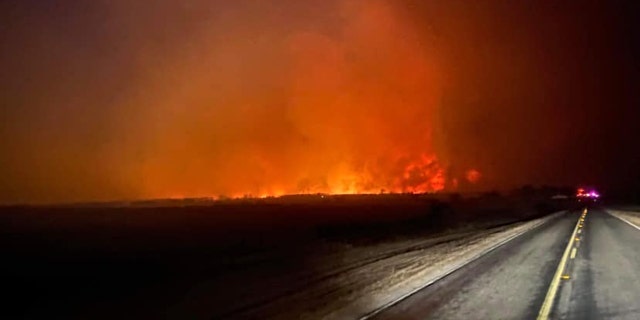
{"x":423,"y":174}
{"x":473,"y":176}
{"x":336,"y":107}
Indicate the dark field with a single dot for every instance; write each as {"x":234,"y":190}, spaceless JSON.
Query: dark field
{"x":142,"y":260}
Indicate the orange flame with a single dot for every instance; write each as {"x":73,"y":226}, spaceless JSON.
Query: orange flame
{"x":473,"y":175}
{"x":348,"y":107}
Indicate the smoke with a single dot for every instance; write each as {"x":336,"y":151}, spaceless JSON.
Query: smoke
{"x":122,"y":100}
{"x":125,"y":99}
{"x":274,"y":102}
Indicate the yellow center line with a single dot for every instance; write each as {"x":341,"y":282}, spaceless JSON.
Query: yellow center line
{"x":549,"y":299}
{"x":573,"y":253}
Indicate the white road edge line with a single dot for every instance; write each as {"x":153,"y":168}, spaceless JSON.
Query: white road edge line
{"x":623,"y":219}
{"x":550,"y":298}
{"x":458,"y":266}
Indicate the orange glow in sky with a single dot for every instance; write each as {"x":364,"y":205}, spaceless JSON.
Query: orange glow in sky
{"x":239,"y":100}
{"x":342,"y":105}
{"x":122,"y":100}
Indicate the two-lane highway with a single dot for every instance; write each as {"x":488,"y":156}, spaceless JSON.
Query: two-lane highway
{"x":578,"y":266}
{"x":605,"y":281}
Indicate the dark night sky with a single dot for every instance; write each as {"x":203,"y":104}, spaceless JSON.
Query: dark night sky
{"x":134,"y":99}
{"x":554,"y":87}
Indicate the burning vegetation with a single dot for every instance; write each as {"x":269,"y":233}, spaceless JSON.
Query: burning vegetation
{"x":343,"y":103}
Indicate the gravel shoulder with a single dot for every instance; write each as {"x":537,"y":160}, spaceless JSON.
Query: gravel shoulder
{"x":631,"y":216}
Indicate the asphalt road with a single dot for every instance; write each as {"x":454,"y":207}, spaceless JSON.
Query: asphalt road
{"x":600,"y":280}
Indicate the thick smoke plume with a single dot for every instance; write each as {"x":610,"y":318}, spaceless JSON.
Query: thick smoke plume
{"x":128,"y":100}
{"x":124,"y":99}
{"x":269,"y":102}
